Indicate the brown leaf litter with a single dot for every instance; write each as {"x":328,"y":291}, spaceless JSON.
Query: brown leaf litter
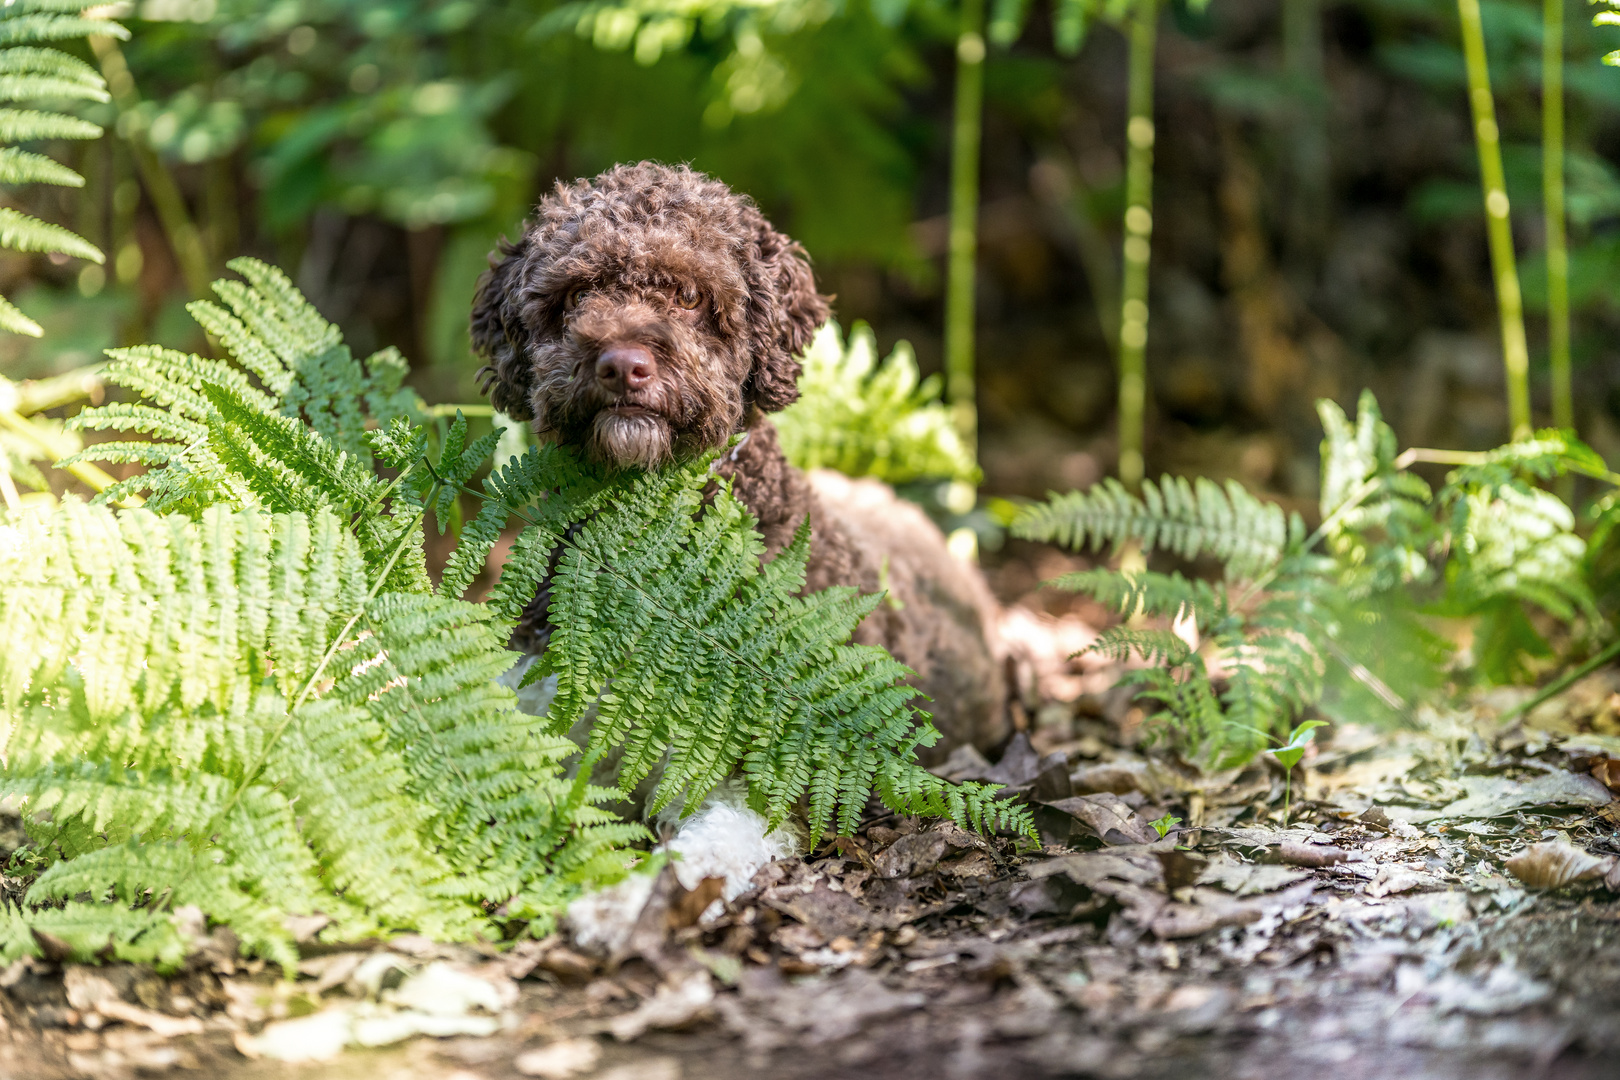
{"x":1435,"y":906}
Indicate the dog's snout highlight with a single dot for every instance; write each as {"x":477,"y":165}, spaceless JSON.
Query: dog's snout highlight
{"x":625,"y":367}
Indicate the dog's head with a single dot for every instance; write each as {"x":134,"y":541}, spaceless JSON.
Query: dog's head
{"x":642,"y":314}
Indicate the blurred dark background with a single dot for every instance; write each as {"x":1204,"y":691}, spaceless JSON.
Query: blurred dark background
{"x":1317,"y":209}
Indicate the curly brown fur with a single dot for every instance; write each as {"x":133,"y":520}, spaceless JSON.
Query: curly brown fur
{"x":616,"y":261}
{"x":652,"y":313}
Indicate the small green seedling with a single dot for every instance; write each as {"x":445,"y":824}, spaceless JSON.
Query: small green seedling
{"x":1288,"y":755}
{"x":1165,"y":824}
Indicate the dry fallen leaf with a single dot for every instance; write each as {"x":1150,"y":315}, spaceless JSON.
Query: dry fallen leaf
{"x":1247,"y":879}
{"x":1606,"y":770}
{"x":1557,"y":864}
{"x":560,"y":1060}
{"x":674,"y":1005}
{"x":1496,"y":796}
{"x":1109,"y":817}
{"x":1313,"y":855}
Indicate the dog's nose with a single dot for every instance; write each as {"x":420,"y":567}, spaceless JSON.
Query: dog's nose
{"x":626,"y":367}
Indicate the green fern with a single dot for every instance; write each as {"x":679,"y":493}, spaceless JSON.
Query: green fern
{"x":667,"y":627}
{"x":693,"y":657}
{"x":288,"y":362}
{"x":219,"y":713}
{"x":1187,"y":519}
{"x":869,"y":419}
{"x":1377,"y":517}
{"x":1331,"y":621}
{"x":30,"y":73}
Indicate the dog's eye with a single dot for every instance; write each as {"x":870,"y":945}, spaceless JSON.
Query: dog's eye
{"x":689,"y":298}
{"x":571,"y":301}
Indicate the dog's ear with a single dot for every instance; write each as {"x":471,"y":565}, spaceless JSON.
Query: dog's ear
{"x":498,"y":333}
{"x":786,"y":310}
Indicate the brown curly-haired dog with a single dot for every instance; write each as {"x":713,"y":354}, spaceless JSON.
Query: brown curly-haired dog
{"x":652,"y":313}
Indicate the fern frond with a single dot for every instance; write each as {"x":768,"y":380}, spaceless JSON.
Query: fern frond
{"x":1377,"y":519}
{"x":26,"y":21}
{"x":293,"y":390}
{"x":691,"y":655}
{"x":26,"y":125}
{"x":11,"y":318}
{"x":1189,"y":519}
{"x":28,"y":72}
{"x":1153,"y":646}
{"x":19,"y":232}
{"x":1150,"y":593}
{"x":21,"y":167}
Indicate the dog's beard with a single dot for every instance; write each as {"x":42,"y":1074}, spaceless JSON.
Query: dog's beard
{"x":695,"y":406}
{"x":638,"y":439}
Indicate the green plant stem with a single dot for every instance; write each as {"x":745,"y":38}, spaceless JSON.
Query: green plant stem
{"x":1302,"y":61}
{"x":1499,"y":231}
{"x":36,"y":395}
{"x":1133,"y":310}
{"x":55,"y":448}
{"x":482,"y":408}
{"x":1416,"y":454}
{"x":1552,"y":126}
{"x":252,"y":772}
{"x":1552,"y":194}
{"x":1562,"y":683}
{"x":184,"y":239}
{"x":964,"y":224}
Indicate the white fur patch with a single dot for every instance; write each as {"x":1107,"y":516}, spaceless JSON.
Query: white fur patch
{"x":602,"y":920}
{"x":724,"y":839}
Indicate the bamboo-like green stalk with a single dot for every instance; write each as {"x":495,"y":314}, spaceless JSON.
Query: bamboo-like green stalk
{"x":1552,"y":196}
{"x":184,"y":239}
{"x":1133,"y":308}
{"x":1499,"y":231}
{"x":1307,"y":132}
{"x":964,"y":226}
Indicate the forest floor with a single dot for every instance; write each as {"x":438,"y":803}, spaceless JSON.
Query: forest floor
{"x":1362,"y":922}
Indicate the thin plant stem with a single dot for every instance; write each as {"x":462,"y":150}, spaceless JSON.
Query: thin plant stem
{"x":184,"y":239}
{"x":1552,"y":199}
{"x":1562,"y":683}
{"x":1499,"y":230}
{"x":964,"y":224}
{"x":1415,"y":454}
{"x":1133,"y":309}
{"x":52,"y":445}
{"x":1302,"y":61}
{"x":1552,"y":190}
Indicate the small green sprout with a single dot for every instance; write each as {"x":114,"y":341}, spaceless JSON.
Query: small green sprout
{"x":1288,"y":755}
{"x":1165,"y":824}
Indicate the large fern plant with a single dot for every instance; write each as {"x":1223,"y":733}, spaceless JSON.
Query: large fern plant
{"x":254,"y":704}
{"x":31,"y":73}
{"x":234,"y":713}
{"x":264,"y":635}
{"x":1328,"y":619}
{"x":694,"y":658}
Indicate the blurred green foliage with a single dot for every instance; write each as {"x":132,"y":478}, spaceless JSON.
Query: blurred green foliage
{"x":867,"y":418}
